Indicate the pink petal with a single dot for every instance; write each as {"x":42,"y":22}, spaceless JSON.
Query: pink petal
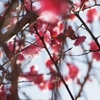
{"x":80,"y":40}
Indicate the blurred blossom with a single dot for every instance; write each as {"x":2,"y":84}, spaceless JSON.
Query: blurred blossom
{"x":95,"y":55}
{"x":52,"y":8}
{"x":92,"y":15}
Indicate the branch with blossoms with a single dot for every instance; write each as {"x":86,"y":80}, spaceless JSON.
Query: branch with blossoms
{"x":50,"y":26}
{"x":54,"y":62}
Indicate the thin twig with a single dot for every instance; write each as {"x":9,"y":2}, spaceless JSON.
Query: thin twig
{"x":55,"y":63}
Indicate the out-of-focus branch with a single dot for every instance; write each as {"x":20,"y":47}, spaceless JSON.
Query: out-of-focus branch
{"x":14,"y":73}
{"x":85,"y":80}
{"x":31,"y":16}
{"x":28,"y":18}
{"x":7,"y":11}
{"x":89,"y":63}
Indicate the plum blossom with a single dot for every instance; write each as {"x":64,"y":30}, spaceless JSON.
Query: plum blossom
{"x":95,"y":55}
{"x":20,"y":59}
{"x":54,"y":8}
{"x":70,"y":33}
{"x":79,"y":40}
{"x":92,"y":15}
{"x":74,"y":73}
{"x":33,"y":76}
{"x":31,"y":50}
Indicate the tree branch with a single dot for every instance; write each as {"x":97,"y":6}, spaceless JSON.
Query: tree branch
{"x":57,"y":68}
{"x":94,"y":38}
{"x":31,"y":16}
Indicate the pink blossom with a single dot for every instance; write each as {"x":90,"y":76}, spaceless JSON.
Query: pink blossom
{"x":54,"y":8}
{"x":73,"y":71}
{"x":95,"y":55}
{"x":20,"y":59}
{"x":92,"y":15}
{"x":70,"y":33}
{"x":31,"y":50}
{"x":93,"y":46}
{"x":79,"y":40}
